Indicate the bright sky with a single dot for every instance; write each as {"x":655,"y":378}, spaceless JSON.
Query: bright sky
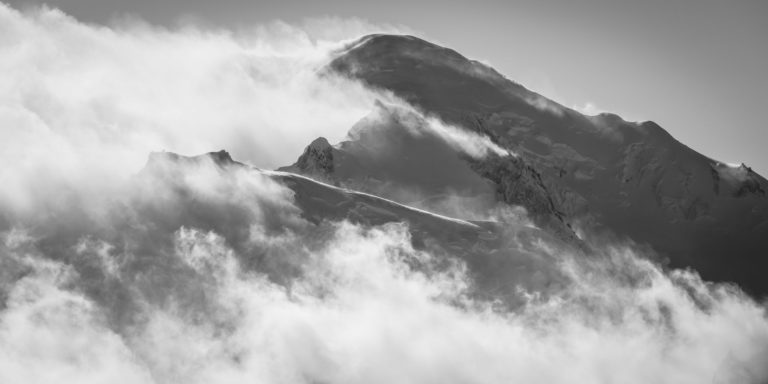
{"x":697,"y":67}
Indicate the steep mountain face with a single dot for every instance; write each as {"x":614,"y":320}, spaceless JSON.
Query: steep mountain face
{"x":596,"y":175}
{"x":392,"y":153}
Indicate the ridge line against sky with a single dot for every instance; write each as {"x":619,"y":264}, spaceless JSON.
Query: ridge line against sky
{"x":696,"y":67}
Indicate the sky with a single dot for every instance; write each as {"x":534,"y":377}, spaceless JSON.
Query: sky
{"x":696,"y":67}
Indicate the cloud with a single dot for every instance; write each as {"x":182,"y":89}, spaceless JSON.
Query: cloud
{"x":49,"y":333}
{"x":543,"y":104}
{"x":588,"y":108}
{"x":206,"y":273}
{"x":363,"y":312}
{"x":473,"y":144}
{"x":420,"y":123}
{"x":592,"y":109}
{"x":81,"y":102}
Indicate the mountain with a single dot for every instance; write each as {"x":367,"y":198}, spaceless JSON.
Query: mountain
{"x":582,"y":178}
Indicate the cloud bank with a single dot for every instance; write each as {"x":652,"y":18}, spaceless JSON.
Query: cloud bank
{"x":208,"y":273}
{"x":81,"y":102}
{"x":268,"y":297}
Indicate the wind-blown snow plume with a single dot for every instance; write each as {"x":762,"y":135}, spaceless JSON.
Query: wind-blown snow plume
{"x":203,"y":271}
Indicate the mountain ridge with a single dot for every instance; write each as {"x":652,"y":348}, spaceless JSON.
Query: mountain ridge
{"x":499,"y":263}
{"x":601,"y":173}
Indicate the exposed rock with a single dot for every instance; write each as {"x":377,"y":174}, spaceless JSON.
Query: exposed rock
{"x":316,"y":161}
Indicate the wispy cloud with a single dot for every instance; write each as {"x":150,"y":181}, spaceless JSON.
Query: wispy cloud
{"x":82,"y":102}
{"x":588,"y":108}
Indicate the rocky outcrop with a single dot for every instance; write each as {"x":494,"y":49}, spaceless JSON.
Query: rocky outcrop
{"x":316,"y":161}
{"x":520,"y":184}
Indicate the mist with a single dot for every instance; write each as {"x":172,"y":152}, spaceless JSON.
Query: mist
{"x":83,"y":102}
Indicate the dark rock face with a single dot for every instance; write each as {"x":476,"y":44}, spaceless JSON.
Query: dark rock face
{"x":316,"y":161}
{"x":631,"y":180}
{"x":520,"y":184}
